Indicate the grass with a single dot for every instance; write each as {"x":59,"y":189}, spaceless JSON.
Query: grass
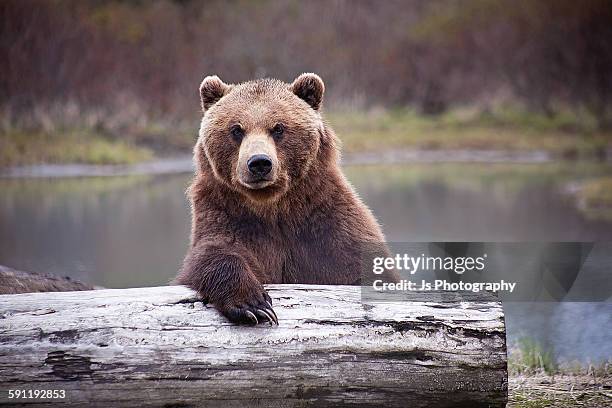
{"x":537,"y":380}
{"x":564,"y":389}
{"x":21,"y":148}
{"x":107,"y":140}
{"x":530,"y":357}
{"x":531,"y":394}
{"x":566,"y":135}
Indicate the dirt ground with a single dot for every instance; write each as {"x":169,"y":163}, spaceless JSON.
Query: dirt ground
{"x":559,"y":391}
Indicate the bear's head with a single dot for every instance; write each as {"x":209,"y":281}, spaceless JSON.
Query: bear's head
{"x":262,"y":136}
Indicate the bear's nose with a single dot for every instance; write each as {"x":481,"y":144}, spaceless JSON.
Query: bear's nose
{"x":259,"y":165}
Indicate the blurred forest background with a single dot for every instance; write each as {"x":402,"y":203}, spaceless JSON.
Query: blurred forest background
{"x":116,"y":81}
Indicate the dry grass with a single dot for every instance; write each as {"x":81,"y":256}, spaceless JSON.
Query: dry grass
{"x":65,"y":133}
{"x":20,"y":148}
{"x":537,"y":380}
{"x":564,"y":136}
{"x":542,"y":391}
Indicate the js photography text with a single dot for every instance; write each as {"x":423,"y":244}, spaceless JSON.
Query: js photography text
{"x":414,"y":264}
{"x":444,"y":285}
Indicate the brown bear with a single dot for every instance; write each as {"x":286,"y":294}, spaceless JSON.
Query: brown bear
{"x":269,"y":201}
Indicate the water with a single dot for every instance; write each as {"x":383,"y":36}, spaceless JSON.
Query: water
{"x":133,"y":231}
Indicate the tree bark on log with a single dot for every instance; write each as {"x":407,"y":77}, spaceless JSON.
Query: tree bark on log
{"x":163,"y":347}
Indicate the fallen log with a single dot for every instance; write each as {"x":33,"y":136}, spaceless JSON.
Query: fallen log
{"x":13,"y":281}
{"x":163,"y":347}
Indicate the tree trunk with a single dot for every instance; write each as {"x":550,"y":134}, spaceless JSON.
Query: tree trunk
{"x":163,"y":347}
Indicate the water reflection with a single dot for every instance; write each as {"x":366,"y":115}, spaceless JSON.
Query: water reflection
{"x":478,"y":202}
{"x":114,"y":232}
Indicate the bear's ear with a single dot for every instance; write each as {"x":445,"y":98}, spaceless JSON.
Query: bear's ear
{"x":310,"y":88}
{"x":211,"y":90}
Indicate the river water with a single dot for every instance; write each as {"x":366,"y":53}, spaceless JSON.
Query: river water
{"x":133,"y":230}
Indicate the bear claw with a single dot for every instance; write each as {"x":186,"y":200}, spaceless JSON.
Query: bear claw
{"x":266,"y":315}
{"x":252,"y":314}
{"x":252,"y":317}
{"x":273,"y":312}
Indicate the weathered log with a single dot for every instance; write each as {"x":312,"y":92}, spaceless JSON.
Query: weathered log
{"x":163,"y":347}
{"x":13,"y":281}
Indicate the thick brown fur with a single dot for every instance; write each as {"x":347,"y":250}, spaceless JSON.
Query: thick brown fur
{"x":305,"y":227}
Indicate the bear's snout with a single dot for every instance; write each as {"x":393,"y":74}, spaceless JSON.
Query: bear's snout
{"x":259,"y":165}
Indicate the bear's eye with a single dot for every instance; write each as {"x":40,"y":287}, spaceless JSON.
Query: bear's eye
{"x":278,"y":130}
{"x":237,"y":132}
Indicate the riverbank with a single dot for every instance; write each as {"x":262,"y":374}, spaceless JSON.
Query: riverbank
{"x":175,"y":165}
{"x":564,"y":136}
{"x":591,"y":194}
{"x":13,"y":281}
{"x":560,"y":391}
{"x":458,"y":135}
{"x":184,"y":163}
{"x":536,"y":379}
